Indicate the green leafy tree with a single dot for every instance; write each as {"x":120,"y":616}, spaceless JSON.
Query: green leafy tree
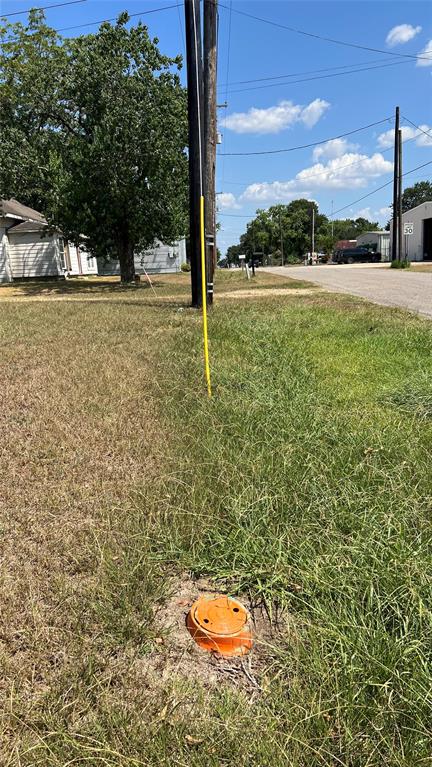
{"x":103,"y":122}
{"x":232,"y":254}
{"x":350,"y":229}
{"x":287,"y":226}
{"x":415,"y":195}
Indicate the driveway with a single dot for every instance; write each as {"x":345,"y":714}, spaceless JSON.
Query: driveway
{"x":390,"y":287}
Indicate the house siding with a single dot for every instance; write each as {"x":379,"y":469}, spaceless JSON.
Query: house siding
{"x":5,"y":270}
{"x":31,"y":256}
{"x":161,"y":259}
{"x":81,"y":264}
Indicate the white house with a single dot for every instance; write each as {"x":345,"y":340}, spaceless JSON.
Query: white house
{"x":78,"y":262}
{"x":379,"y":240}
{"x":29,"y":249}
{"x":418,"y":244}
{"x":160,"y":259}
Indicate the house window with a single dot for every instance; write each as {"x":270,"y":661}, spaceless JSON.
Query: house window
{"x":62,"y":255}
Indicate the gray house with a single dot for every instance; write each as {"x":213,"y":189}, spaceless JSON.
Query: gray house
{"x":160,"y":259}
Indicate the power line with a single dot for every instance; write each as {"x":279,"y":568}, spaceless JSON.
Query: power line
{"x":130,"y":15}
{"x":103,"y":21}
{"x":326,"y":39}
{"x":319,"y":77}
{"x":354,"y":202}
{"x":307,"y":72}
{"x":304,"y":146}
{"x":42,"y":8}
{"x":426,"y":133}
{"x":227,"y":70}
{"x":332,"y":172}
{"x":378,"y":189}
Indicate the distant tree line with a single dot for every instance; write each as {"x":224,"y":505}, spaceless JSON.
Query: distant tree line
{"x":288,"y":228}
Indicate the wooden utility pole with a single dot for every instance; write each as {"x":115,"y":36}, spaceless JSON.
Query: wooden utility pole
{"x":394,"y":243}
{"x":196,"y":140}
{"x":400,"y":238}
{"x":210,"y":137}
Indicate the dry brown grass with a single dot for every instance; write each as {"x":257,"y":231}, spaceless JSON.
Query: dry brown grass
{"x":80,"y":432}
{"x":421,"y":266}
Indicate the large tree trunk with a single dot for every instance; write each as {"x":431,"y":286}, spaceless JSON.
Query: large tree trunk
{"x":126,"y":258}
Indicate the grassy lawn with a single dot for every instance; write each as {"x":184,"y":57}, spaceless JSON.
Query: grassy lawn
{"x":303,"y":487}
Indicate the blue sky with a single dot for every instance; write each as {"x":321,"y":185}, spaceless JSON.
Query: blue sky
{"x":278,"y":114}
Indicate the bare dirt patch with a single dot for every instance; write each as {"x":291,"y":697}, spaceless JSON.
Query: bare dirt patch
{"x":175,"y":653}
{"x":267,"y":292}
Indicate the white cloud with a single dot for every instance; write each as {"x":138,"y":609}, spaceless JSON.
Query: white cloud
{"x":313,"y":112}
{"x":381,"y":215}
{"x":275,"y":190}
{"x":386,"y":139}
{"x":276,"y":118}
{"x":426,"y":56}
{"x":226,"y":200}
{"x":402,"y":33}
{"x":333,"y":148}
{"x":384,"y":212}
{"x":349,"y":171}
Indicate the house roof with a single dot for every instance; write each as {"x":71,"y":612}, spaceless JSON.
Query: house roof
{"x":14,"y":209}
{"x":28,"y":226}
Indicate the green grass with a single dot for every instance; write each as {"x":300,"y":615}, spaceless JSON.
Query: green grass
{"x":304,"y":483}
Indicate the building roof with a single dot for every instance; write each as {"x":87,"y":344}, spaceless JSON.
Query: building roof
{"x":14,"y":209}
{"x":376,"y":231}
{"x":422,"y":204}
{"x":28,"y":226}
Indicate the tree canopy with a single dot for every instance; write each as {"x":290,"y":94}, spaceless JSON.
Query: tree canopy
{"x":415,"y":195}
{"x":94,"y":134}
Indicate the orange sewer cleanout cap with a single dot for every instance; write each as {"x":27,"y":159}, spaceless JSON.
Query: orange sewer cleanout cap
{"x":220,"y":624}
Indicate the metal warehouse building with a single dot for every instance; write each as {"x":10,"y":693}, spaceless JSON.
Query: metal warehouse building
{"x":380,"y":241}
{"x":418,"y":244}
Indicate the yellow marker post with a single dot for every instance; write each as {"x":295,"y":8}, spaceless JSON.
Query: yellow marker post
{"x":204,"y":299}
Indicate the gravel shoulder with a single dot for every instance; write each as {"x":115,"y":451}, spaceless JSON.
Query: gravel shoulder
{"x":410,"y":290}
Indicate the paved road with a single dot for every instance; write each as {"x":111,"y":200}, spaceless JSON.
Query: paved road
{"x":380,"y":284}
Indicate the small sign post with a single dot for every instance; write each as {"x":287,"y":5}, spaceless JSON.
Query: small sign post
{"x":408,"y":229}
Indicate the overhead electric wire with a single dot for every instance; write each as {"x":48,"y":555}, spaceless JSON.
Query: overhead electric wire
{"x":319,"y":77}
{"x":324,"y":38}
{"x":304,"y":146}
{"x":102,"y":21}
{"x":426,"y":133}
{"x":378,"y":189}
{"x":227,"y":71}
{"x":332,"y":172}
{"x":114,"y":18}
{"x":41,"y":8}
{"x":306,"y":72}
{"x":354,"y":202}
